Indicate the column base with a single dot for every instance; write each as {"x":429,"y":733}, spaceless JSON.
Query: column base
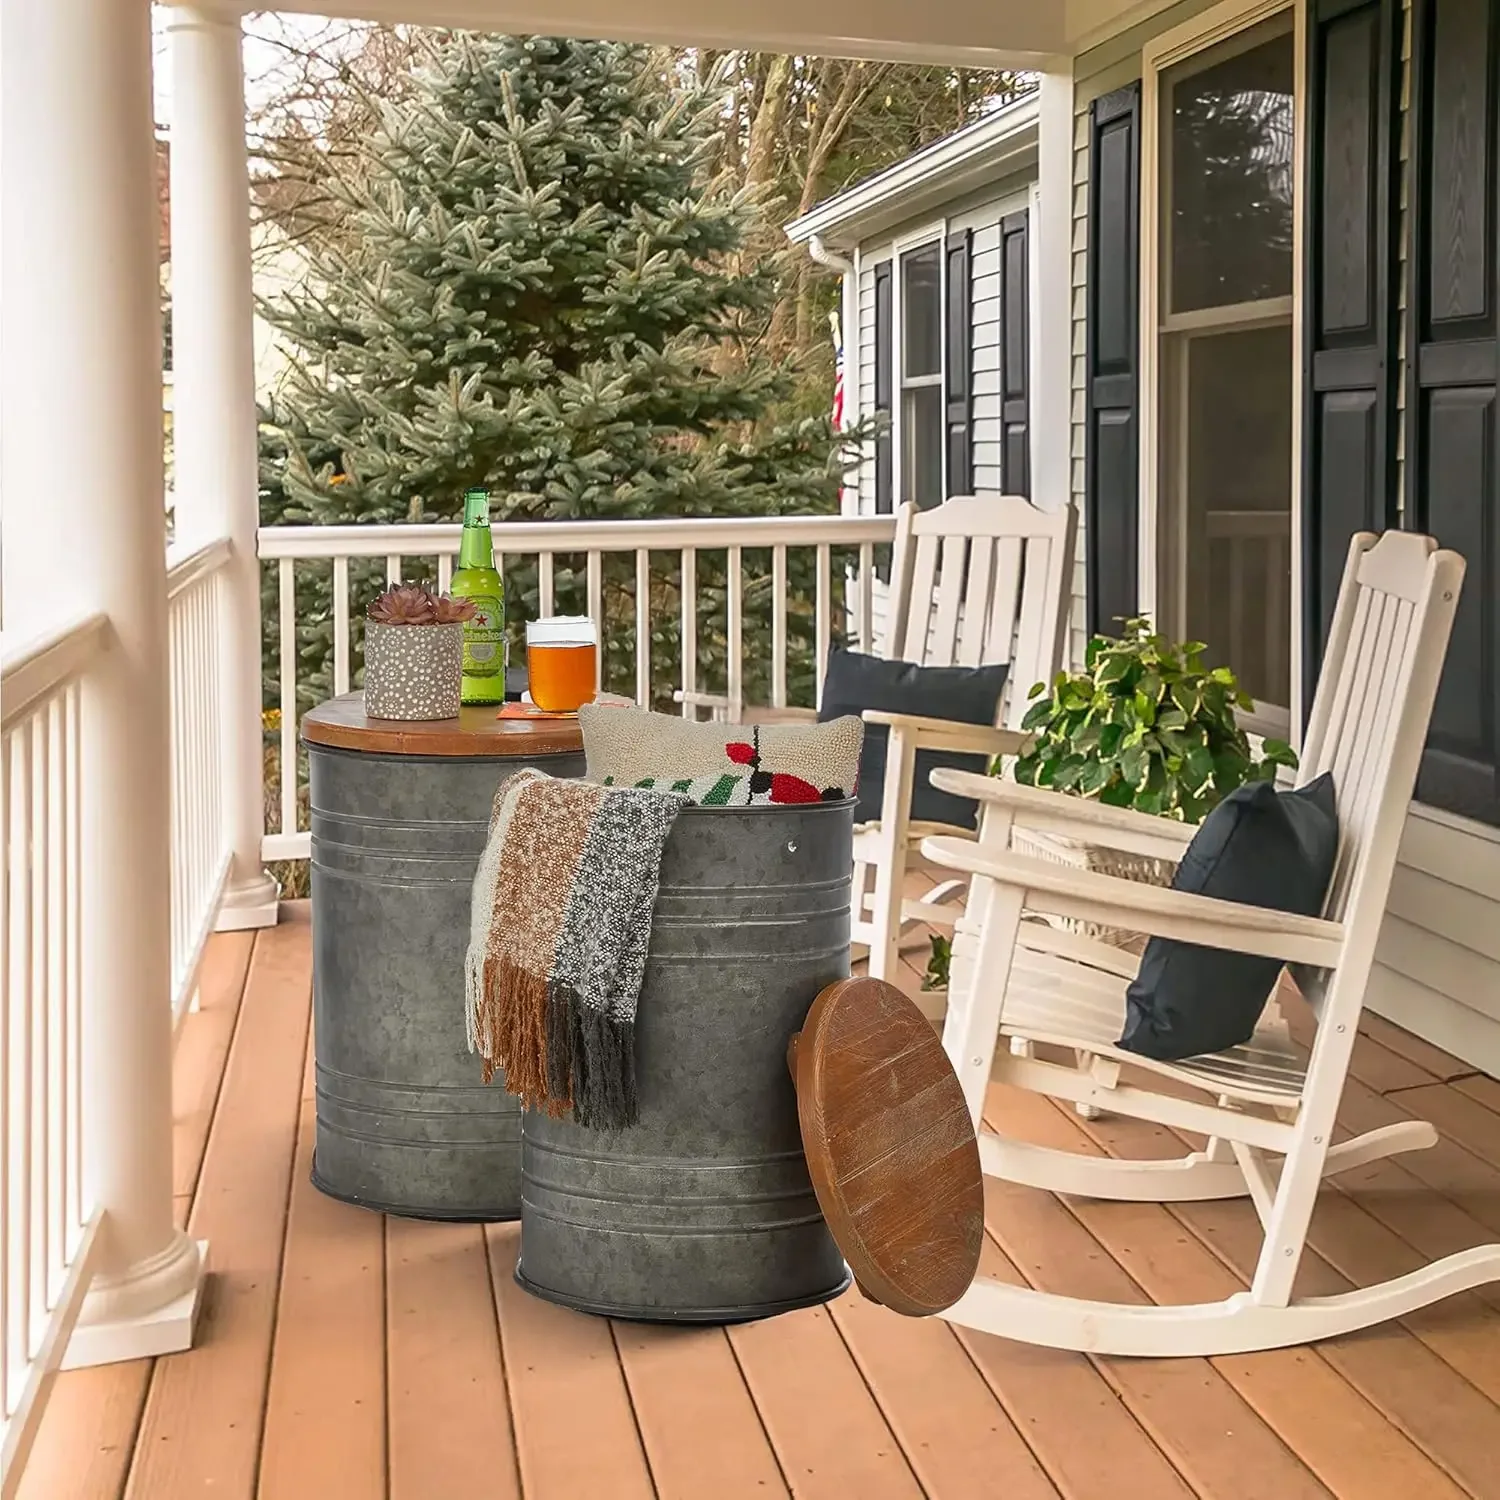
{"x":106,"y":1334}
{"x":249,"y":903}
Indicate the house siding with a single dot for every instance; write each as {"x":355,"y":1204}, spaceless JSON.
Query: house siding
{"x":1437,"y":969}
{"x":982,"y":216}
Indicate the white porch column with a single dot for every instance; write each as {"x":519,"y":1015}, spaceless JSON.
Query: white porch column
{"x":1052,"y":464}
{"x":81,"y":438}
{"x":214,"y":426}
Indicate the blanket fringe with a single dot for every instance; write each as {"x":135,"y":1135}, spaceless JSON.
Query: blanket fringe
{"x":508,"y":1027}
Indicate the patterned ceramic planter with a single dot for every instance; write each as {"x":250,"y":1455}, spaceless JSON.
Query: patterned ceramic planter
{"x":413,"y":671}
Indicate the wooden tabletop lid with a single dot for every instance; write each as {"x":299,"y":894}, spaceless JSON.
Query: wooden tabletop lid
{"x":890,"y":1146}
{"x":342,"y":724}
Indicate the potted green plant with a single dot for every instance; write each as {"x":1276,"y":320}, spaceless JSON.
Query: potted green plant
{"x":1145,"y":725}
{"x":414,"y":651}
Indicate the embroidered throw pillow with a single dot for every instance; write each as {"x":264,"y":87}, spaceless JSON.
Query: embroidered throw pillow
{"x":770,"y":763}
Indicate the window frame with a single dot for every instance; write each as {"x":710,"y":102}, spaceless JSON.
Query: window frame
{"x":932,"y":235}
{"x":1157,"y":406}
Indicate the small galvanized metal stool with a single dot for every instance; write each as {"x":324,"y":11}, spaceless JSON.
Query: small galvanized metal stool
{"x":400,"y":814}
{"x":703,"y":1211}
{"x":709,"y":1210}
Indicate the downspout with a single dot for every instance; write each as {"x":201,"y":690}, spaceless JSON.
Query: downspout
{"x":849,"y":332}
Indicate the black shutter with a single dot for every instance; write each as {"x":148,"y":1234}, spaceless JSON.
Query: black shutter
{"x":1452,"y":440}
{"x":1348,"y":450}
{"x":1113,"y":359}
{"x":958,"y":326}
{"x":1015,"y":354}
{"x":883,"y":353}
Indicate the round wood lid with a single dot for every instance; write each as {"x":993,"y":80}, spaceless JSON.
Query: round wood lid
{"x":890,"y":1146}
{"x":342,"y":724}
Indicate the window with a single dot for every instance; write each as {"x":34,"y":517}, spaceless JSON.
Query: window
{"x":1225,"y":357}
{"x":920,"y":437}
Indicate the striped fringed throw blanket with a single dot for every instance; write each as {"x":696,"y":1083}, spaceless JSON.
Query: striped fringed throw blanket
{"x":558,"y":937}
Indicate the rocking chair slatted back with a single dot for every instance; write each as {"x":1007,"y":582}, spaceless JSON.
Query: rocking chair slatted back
{"x":980,"y":580}
{"x":1368,"y":723}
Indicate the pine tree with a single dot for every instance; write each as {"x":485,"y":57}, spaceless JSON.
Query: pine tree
{"x":532,"y":290}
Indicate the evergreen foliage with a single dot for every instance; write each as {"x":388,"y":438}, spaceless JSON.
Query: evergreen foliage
{"x":540,"y":293}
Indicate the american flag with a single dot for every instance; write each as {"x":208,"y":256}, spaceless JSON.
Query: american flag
{"x":838,"y":371}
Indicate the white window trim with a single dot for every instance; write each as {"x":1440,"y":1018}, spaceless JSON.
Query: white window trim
{"x":1157,"y":56}
{"x":935,"y":232}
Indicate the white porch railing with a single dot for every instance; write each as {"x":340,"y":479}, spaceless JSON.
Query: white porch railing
{"x":200,"y":845}
{"x":844,"y":598}
{"x":47,"y":1226}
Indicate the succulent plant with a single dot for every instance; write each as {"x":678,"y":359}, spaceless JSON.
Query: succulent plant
{"x":405,"y":604}
{"x":416,"y":604}
{"x":451,"y":611}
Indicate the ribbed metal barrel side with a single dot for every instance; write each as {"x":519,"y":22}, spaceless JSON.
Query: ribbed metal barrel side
{"x":404,"y":1123}
{"x":703,"y":1211}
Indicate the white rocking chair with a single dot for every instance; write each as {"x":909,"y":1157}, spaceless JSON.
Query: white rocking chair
{"x":1268,"y":1113}
{"x":978,"y":580}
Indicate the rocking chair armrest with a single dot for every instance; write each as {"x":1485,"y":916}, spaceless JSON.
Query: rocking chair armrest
{"x":1080,"y":818}
{"x":1155,"y":911}
{"x":950,"y":734}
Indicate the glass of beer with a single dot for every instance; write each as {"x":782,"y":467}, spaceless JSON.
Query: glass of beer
{"x":562,"y":662}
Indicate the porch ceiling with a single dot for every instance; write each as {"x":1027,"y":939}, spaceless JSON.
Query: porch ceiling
{"x":979,"y":33}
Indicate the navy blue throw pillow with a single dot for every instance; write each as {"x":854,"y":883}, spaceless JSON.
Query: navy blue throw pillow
{"x":1259,"y":847}
{"x":965,"y":695}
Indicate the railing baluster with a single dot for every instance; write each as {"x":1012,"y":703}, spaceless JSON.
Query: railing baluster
{"x":778,"y":627}
{"x":735,"y":644}
{"x":689,"y":628}
{"x":643,"y":627}
{"x":57,"y":854}
{"x":445,"y":572}
{"x":340,"y":626}
{"x":596,"y":611}
{"x":823,"y":616}
{"x":545,"y":583}
{"x":867,"y":596}
{"x":10,"y":992}
{"x":393,"y":568}
{"x":36,"y":1112}
{"x":19,"y":1061}
{"x":77,"y":812}
{"x":288,"y":698}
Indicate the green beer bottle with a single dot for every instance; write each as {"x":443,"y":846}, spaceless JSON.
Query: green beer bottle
{"x":475,"y":578}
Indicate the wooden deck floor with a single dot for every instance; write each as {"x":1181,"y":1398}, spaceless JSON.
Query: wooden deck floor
{"x":343,"y":1356}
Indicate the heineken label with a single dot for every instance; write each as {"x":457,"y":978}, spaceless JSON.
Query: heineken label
{"x":484,"y":639}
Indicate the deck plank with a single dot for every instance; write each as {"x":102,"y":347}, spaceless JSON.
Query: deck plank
{"x":1081,"y":1432}
{"x":325,"y":1405}
{"x":1211,"y":1434}
{"x":107,"y":1403}
{"x":1352,"y":1448}
{"x":88,"y":1433}
{"x":1442,"y":1065}
{"x":702,"y":1433}
{"x":203,"y":1039}
{"x":957,"y":1437}
{"x":450,"y":1427}
{"x":575,"y":1427}
{"x":202,"y":1425}
{"x":315,"y":1368}
{"x":830,"y":1437}
{"x":1454,"y":1424}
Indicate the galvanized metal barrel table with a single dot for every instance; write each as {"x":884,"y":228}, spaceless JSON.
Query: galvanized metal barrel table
{"x":400,"y":812}
{"x":704,"y":1210}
